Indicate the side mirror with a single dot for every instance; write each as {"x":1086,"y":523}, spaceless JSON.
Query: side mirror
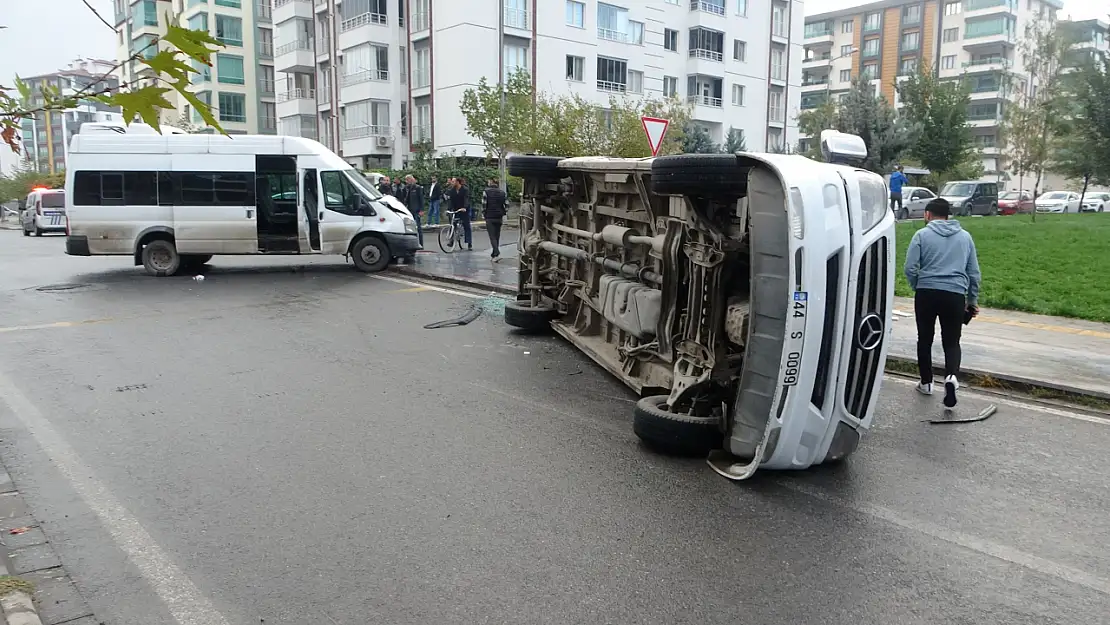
{"x":366,"y":208}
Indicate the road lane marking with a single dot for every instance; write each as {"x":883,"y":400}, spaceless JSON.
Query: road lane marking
{"x":418,"y":289}
{"x":56,"y":324}
{"x":1047,"y":327}
{"x":1016,"y":403}
{"x":986,"y":547}
{"x":182,"y":598}
{"x":429,"y":287}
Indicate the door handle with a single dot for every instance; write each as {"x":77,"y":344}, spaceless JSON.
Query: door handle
{"x":250,"y":213}
{"x":321,"y":218}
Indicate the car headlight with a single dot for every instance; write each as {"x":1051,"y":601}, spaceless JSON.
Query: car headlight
{"x":795,"y":211}
{"x":410,"y":225}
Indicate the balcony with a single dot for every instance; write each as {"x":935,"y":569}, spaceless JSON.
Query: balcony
{"x":361,"y":132}
{"x":816,"y":61}
{"x":704,"y":100}
{"x":612,"y":87}
{"x":295,"y":56}
{"x":264,"y":13}
{"x":518,"y":19}
{"x":820,"y":33}
{"x":815,"y":85}
{"x":422,"y":133}
{"x":420,"y":22}
{"x":362,"y":28}
{"x":297,"y":102}
{"x":285,"y":10}
{"x":976,"y":8}
{"x":266,"y":87}
{"x":993,"y":40}
{"x":612,"y":35}
{"x":989,"y":64}
{"x":364,"y":76}
{"x":363,"y":20}
{"x":709,"y":55}
{"x":708,"y":6}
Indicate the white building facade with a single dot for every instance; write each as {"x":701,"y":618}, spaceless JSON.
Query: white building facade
{"x":240,"y":85}
{"x":373,"y":78}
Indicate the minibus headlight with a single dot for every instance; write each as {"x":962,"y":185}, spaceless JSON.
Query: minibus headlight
{"x":796,"y":211}
{"x":871,"y":215}
{"x":410,"y":225}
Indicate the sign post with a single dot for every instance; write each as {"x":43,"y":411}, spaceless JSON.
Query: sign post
{"x":655,"y":129}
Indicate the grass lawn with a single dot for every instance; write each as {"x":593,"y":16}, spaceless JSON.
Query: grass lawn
{"x":1059,"y":265}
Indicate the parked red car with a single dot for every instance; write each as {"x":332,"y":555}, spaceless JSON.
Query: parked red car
{"x":1014,"y":202}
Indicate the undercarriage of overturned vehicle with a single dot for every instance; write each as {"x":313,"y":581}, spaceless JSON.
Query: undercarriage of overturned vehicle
{"x":647,"y":266}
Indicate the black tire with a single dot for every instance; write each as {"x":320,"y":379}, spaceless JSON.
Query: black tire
{"x":38,"y":232}
{"x":699,"y":175}
{"x":160,"y":258}
{"x":370,"y":254}
{"x":994,"y":210}
{"x":449,"y":239}
{"x":521,"y":315}
{"x":673,"y":433}
{"x":26,"y":232}
{"x":531,"y":166}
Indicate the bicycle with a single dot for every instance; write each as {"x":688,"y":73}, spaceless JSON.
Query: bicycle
{"x":450,"y":237}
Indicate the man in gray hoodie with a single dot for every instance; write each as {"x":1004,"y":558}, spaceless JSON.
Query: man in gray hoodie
{"x":943,"y":270}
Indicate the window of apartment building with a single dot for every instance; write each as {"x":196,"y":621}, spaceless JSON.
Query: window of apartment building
{"x":517,"y":59}
{"x":422,"y":128}
{"x":419,"y":18}
{"x":778,"y":63}
{"x":948,"y":62}
{"x":635,"y":81}
{"x":846,"y":50}
{"x":707,"y":44}
{"x":907,"y":67}
{"x":738,"y":95}
{"x":870,"y":71}
{"x":265,"y":42}
{"x":950,"y":34}
{"x":199,"y":22}
{"x":422,"y":73}
{"x":266,"y":79}
{"x":774,"y":106}
{"x":739,"y":50}
{"x":612,"y":74}
{"x":267,"y":116}
{"x":871,"y":22}
{"x":670,"y":86}
{"x":229,"y":69}
{"x":206,"y":97}
{"x":366,"y":62}
{"x":742,"y":8}
{"x":911,"y":14}
{"x":612,"y":22}
{"x":235,"y":4}
{"x":636,"y":33}
{"x":203,"y":73}
{"x":847,"y":26}
{"x":1003,"y":24}
{"x":576,"y":14}
{"x":670,"y":39}
{"x":871,"y":47}
{"x":576,"y":68}
{"x":367,"y":113}
{"x":674,"y":2}
{"x":953,"y":8}
{"x":845,"y":75}
{"x":403,"y":60}
{"x":376,"y":8}
{"x":229,"y":30}
{"x":779,"y":13}
{"x":233,"y":107}
{"x":911,"y":41}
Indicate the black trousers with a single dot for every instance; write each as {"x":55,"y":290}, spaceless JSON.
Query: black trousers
{"x":929,"y":305}
{"x":895,"y":198}
{"x":493,"y":227}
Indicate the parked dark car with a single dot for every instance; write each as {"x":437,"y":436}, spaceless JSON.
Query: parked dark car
{"x":971,"y":197}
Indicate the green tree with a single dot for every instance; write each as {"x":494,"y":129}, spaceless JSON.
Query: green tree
{"x":937,"y":112}
{"x":572,"y":126}
{"x":1087,"y":146}
{"x":1030,"y":118}
{"x":734,"y":142}
{"x":697,"y":140}
{"x":874,"y":120}
{"x":502,"y":120}
{"x":811,"y":122}
{"x":17,"y":184}
{"x":169,"y":58}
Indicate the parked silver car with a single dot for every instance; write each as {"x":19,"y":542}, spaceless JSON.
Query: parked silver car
{"x":914,"y":200}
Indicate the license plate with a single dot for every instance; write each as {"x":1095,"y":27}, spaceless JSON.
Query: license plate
{"x":795,"y":339}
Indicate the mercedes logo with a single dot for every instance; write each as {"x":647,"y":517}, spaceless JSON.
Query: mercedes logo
{"x":870,"y":333}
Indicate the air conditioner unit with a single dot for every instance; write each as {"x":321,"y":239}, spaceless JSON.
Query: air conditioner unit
{"x":385,"y":142}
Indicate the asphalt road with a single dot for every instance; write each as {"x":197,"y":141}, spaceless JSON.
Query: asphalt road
{"x":284,"y":441}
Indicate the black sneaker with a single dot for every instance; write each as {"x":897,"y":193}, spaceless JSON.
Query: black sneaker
{"x":951,"y":385}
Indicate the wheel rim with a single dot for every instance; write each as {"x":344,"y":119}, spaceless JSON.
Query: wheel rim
{"x":161,"y":259}
{"x":370,"y":254}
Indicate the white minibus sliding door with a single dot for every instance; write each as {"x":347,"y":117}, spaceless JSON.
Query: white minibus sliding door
{"x":308,"y":206}
{"x":216,"y":211}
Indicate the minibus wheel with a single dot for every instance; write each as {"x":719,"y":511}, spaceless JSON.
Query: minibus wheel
{"x":532,"y":166}
{"x":531,"y":318}
{"x":699,"y":175}
{"x":370,"y":254}
{"x":672,"y":432}
{"x":160,"y":258}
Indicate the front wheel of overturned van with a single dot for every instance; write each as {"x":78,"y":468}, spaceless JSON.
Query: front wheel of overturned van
{"x":530,"y":318}
{"x":674,"y":433}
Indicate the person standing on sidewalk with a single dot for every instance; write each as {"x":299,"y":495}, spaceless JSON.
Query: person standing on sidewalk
{"x":384,"y":187}
{"x":460,"y":205}
{"x":414,"y":201}
{"x":435,"y":196}
{"x":897,"y":181}
{"x":494,"y":200}
{"x":943,"y":270}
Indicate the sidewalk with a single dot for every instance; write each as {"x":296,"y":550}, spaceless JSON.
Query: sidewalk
{"x":1061,"y":354}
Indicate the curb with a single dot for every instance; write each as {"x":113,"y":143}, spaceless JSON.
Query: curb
{"x":19,"y":609}
{"x":1039,"y":389}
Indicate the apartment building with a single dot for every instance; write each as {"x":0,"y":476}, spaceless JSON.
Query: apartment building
{"x":45,"y":135}
{"x":373,"y":78}
{"x":975,"y":39}
{"x":1091,"y":37}
{"x":240,"y":85}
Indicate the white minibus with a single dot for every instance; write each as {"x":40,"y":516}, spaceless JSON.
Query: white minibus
{"x":173,"y":201}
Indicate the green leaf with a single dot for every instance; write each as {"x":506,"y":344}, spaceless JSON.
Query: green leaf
{"x":145,"y":102}
{"x":194,"y":43}
{"x":166,"y":63}
{"x":199,"y":106}
{"x":24,"y":88}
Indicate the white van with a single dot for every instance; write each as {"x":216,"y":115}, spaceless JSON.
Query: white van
{"x":44,"y":211}
{"x":176,"y":200}
{"x":746,"y":298}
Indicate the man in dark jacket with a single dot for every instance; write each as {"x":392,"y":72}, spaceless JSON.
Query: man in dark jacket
{"x":384,"y":187}
{"x":460,"y":203}
{"x":414,"y":201}
{"x":435,"y":196}
{"x":494,"y":213}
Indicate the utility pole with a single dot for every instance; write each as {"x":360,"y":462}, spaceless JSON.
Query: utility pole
{"x":501,"y":86}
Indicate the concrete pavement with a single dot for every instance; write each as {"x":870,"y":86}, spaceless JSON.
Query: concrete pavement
{"x":284,"y":442}
{"x":1063,"y":354}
